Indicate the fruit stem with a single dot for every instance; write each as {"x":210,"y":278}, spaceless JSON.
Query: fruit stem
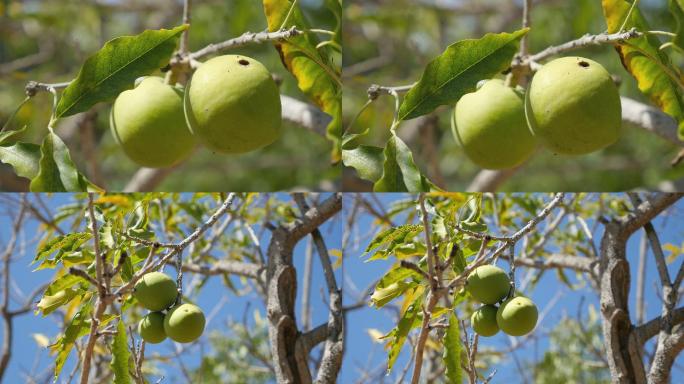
{"x":171,"y":77}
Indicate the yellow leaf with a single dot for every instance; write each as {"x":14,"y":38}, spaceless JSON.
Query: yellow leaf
{"x":656,"y":76}
{"x":40,"y":339}
{"x":316,"y":75}
{"x":375,"y":335}
{"x":337,"y":254}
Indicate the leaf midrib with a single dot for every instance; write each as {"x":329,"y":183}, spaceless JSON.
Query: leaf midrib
{"x":88,"y":91}
{"x":431,"y":93}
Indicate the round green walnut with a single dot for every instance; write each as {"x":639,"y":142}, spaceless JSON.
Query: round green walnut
{"x":148,"y":123}
{"x":488,"y":284}
{"x":483,"y":321}
{"x":491,"y":128}
{"x":155,"y":291}
{"x":151,"y":328}
{"x":232,"y":105}
{"x":184,"y":323}
{"x":517,"y":316}
{"x":573,"y":106}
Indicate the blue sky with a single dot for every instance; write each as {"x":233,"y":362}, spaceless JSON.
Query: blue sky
{"x":360,"y":347}
{"x":28,"y":357}
{"x":361,"y":351}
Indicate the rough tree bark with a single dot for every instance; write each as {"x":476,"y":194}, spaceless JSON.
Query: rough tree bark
{"x":624,"y":342}
{"x":289,"y":347}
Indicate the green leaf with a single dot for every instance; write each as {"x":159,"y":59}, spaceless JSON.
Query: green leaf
{"x":62,"y":243}
{"x":78,"y":326}
{"x":677,"y":10}
{"x":115,"y":67}
{"x":49,"y":303}
{"x":409,"y":320}
{"x":400,"y":173}
{"x":6,"y":135}
{"x":651,"y":67}
{"x":457,"y":70}
{"x":23,"y":157}
{"x":382,"y":296}
{"x":389,"y":235}
{"x":62,"y":283}
{"x":316,"y":75}
{"x":452,"y":351}
{"x":57,"y":172}
{"x":398,"y":273}
{"x":120,"y":356}
{"x":405,"y":251}
{"x":366,"y":159}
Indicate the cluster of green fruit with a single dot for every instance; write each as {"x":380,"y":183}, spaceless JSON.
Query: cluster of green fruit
{"x":516,"y":316}
{"x":231,"y":105}
{"x":572,"y":106}
{"x":182,"y":323}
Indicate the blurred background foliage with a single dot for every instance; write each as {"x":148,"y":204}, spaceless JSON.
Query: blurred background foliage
{"x":389,"y":42}
{"x":48,"y":41}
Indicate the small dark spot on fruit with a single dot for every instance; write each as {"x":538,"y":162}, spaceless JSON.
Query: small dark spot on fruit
{"x":583,"y":64}
{"x":243,"y":62}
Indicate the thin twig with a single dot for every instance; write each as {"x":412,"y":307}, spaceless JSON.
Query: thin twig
{"x":244,"y":39}
{"x":584,"y":41}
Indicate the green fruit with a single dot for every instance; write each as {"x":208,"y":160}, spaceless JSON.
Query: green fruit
{"x":149,"y":124}
{"x":488,"y":284}
{"x":483,"y":321}
{"x":155,"y":291}
{"x":184,"y":323}
{"x":490,"y":126}
{"x":517,"y":316}
{"x":573,"y":106}
{"x":151,"y":328}
{"x":233,"y":105}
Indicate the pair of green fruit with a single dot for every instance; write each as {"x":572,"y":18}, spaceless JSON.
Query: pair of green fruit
{"x":183,"y":323}
{"x":572,"y":107}
{"x":231,"y":105}
{"x":516,"y":316}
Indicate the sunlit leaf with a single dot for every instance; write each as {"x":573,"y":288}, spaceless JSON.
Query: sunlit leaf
{"x":400,"y":173}
{"x":457,"y":70}
{"x":316,"y":75}
{"x":120,"y":356}
{"x":79,"y":325}
{"x":656,"y":77}
{"x":382,"y":296}
{"x":367,"y":160}
{"x":677,"y":10}
{"x":62,"y":243}
{"x":57,"y":172}
{"x":390,"y":234}
{"x":41,"y":340}
{"x":409,"y":320}
{"x":115,"y":67}
{"x":398,"y":273}
{"x":23,"y":157}
{"x":452,"y":351}
{"x":49,"y":304}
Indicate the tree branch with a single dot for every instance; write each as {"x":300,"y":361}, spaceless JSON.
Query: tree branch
{"x":331,"y":361}
{"x":651,"y":119}
{"x":315,"y":216}
{"x":289,"y":351}
{"x":585,"y":41}
{"x":646,"y":211}
{"x":221,"y":267}
{"x":244,"y":39}
{"x":651,"y":328}
{"x":577,"y":263}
